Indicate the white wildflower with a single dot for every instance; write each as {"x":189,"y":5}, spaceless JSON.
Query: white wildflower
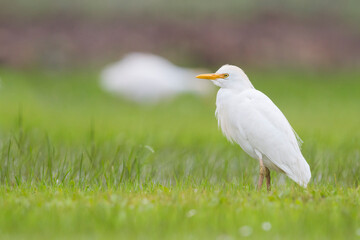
{"x":191,"y":213}
{"x":245,"y":231}
{"x":266,"y":226}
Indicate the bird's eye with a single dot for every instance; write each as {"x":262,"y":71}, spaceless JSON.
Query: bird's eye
{"x":226,"y":75}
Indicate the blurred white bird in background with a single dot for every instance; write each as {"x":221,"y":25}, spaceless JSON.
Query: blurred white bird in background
{"x":147,"y":78}
{"x":249,"y":118}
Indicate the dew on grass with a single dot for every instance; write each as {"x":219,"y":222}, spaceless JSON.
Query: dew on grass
{"x":150,"y":148}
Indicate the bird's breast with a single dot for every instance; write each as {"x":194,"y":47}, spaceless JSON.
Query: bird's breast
{"x":229,"y":117}
{"x":224,"y":122}
{"x":225,"y":115}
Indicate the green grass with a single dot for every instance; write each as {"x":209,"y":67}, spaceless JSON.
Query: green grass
{"x":78,"y":163}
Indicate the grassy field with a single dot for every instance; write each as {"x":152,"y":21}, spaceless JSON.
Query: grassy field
{"x":78,"y":163}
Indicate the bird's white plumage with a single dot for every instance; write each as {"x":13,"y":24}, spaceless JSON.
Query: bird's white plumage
{"x":249,"y":118}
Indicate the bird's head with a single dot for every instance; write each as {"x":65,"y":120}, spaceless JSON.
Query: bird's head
{"x":228,"y":76}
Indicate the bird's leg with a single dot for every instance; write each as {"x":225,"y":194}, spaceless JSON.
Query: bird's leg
{"x":262,"y":174}
{"x":268,"y":178}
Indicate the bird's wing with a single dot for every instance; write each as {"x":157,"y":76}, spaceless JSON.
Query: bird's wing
{"x":269,"y":132}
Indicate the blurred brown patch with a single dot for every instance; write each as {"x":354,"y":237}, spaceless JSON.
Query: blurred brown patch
{"x":263,"y":40}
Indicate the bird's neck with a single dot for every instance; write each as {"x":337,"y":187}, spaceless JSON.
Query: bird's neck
{"x":237,"y":87}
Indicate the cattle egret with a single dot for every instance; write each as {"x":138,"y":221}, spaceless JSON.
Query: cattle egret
{"x":249,"y":118}
{"x":147,"y":78}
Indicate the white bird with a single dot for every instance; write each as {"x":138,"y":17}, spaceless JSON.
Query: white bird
{"x":144,"y":78}
{"x":249,"y":118}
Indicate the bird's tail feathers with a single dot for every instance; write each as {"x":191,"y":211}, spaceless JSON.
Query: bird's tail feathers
{"x":303,"y":174}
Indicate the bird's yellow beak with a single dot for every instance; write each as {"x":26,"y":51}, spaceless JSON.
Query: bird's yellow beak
{"x":211,"y":76}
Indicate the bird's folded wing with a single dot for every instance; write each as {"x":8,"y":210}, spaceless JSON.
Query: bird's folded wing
{"x":269,"y":132}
